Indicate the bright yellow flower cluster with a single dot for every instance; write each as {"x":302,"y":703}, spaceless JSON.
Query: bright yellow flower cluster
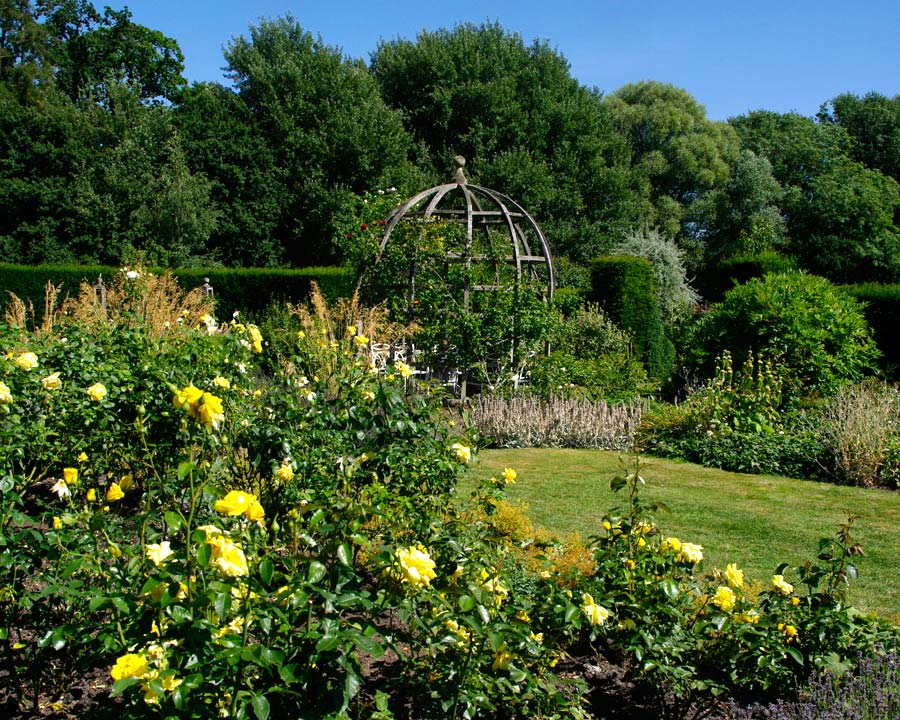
{"x":596,"y":614}
{"x":228,"y":557}
{"x":724,"y":598}
{"x":238,"y":502}
{"x":203,"y":406}
{"x":27,"y":361}
{"x":734,"y":576}
{"x":285,"y":472}
{"x":97,"y":392}
{"x":255,"y":339}
{"x":690,"y":553}
{"x":779,"y":584}
{"x":130,"y":665}
{"x":463,"y":453}
{"x":415,"y":566}
{"x":5,"y":393}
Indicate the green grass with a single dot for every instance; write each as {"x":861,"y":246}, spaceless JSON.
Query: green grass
{"x":757,"y":521}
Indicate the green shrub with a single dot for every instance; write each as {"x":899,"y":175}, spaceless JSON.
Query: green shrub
{"x":881,"y":305}
{"x":814,"y":334}
{"x":623,"y":286}
{"x":739,"y":269}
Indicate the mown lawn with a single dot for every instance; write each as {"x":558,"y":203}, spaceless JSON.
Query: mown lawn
{"x":757,"y":521}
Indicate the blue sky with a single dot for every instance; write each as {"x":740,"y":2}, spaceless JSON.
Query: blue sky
{"x":732,"y":57}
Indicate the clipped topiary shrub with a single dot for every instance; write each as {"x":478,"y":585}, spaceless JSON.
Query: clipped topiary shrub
{"x":623,"y":286}
{"x":815,"y":335}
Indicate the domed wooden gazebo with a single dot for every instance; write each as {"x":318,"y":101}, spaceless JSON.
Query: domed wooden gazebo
{"x":486,"y":242}
{"x":486,"y":214}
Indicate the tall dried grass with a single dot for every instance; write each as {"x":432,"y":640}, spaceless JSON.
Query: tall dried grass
{"x":859,"y":428}
{"x":529,"y":421}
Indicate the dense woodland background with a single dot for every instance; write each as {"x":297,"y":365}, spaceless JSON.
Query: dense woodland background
{"x":108,"y":155}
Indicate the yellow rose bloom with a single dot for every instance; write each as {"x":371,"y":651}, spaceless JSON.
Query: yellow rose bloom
{"x":596,"y":614}
{"x":222,"y":382}
{"x":734,"y":576}
{"x":501,"y":658}
{"x":360,"y":340}
{"x":404,"y":369}
{"x":159,"y":553}
{"x":724,"y":598}
{"x":5,"y":393}
{"x":57,"y":523}
{"x":187,"y":399}
{"x":96,"y":392}
{"x":509,"y":476}
{"x":690,"y":553}
{"x":130,"y":665}
{"x":235,"y":503}
{"x":51,"y":382}
{"x":672,"y":544}
{"x":114,"y":493}
{"x":27,"y":361}
{"x":255,"y":339}
{"x":463,"y":453}
{"x":210,"y":412}
{"x":779,"y":584}
{"x":228,"y":557}
{"x":70,"y":475}
{"x":790,"y":632}
{"x":91,"y":495}
{"x":82,"y":457}
{"x":284,"y":472}
{"x":415,"y":566}
{"x":368,"y":395}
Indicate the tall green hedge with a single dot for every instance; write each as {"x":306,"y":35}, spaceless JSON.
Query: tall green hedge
{"x":881,"y":306}
{"x":623,"y":286}
{"x":739,"y":269}
{"x":248,"y":290}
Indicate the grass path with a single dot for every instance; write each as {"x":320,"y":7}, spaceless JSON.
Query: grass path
{"x":756,"y":521}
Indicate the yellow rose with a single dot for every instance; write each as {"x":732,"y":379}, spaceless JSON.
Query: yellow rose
{"x":501,"y":658}
{"x":210,"y":413}
{"x":222,"y":382}
{"x":187,"y":399}
{"x":724,"y":598}
{"x":404,"y":369}
{"x":671,"y":543}
{"x":114,"y":493}
{"x":361,"y":340}
{"x":463,"y":453}
{"x":255,"y":339}
{"x":27,"y":361}
{"x":70,"y":476}
{"x":130,"y":665}
{"x":5,"y":393}
{"x":57,"y":523}
{"x":690,"y":553}
{"x":415,"y":566}
{"x":779,"y":584}
{"x":82,"y":457}
{"x":234,"y":503}
{"x":91,"y":495}
{"x":597,"y":614}
{"x":734,"y":576}
{"x":509,"y":476}
{"x":228,"y":557}
{"x":284,"y":472}
{"x":51,"y":382}
{"x":96,"y":392}
{"x":159,"y":553}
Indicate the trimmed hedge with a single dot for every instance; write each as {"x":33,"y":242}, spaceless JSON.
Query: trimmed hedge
{"x":739,"y":269}
{"x":623,"y":286}
{"x":249,"y":289}
{"x":881,"y":306}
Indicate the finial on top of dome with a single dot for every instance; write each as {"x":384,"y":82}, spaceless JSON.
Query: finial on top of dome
{"x":460,"y":164}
